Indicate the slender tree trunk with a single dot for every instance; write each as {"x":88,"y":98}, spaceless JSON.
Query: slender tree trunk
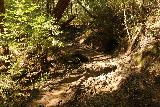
{"x":2,"y":11}
{"x":48,"y":7}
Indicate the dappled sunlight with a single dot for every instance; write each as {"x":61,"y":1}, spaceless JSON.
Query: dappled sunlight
{"x":104,"y":83}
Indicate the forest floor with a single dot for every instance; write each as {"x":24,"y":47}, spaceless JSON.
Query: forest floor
{"x":61,"y":89}
{"x":100,"y":80}
{"x":93,"y":73}
{"x":123,"y":79}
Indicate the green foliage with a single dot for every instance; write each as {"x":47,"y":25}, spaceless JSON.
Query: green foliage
{"x":25,"y":23}
{"x":26,"y":28}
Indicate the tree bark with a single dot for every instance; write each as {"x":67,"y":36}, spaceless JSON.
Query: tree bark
{"x":60,"y":8}
{"x":2,"y":11}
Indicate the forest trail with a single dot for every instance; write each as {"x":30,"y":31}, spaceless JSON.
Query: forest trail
{"x":99,"y":70}
{"x":80,"y":53}
{"x":102,"y":74}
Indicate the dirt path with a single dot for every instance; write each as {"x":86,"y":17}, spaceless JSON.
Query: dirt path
{"x":99,"y":70}
{"x":103,"y":73}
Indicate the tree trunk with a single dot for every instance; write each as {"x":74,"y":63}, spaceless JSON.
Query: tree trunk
{"x":48,"y":7}
{"x":2,"y":11}
{"x":60,"y":8}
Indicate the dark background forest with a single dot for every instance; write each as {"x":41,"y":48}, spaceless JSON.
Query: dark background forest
{"x":79,"y":53}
